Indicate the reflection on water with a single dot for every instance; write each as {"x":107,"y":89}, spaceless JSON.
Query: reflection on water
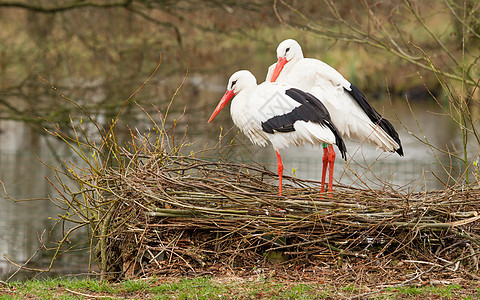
{"x":21,"y":223}
{"x":23,"y":176}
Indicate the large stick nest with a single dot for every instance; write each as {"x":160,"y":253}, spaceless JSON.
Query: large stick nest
{"x":182,"y":215}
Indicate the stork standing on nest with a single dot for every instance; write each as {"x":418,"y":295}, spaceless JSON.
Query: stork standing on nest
{"x":279,"y":114}
{"x":350,"y":111}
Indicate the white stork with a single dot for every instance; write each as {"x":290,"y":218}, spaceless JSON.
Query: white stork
{"x":354,"y":117}
{"x":279,"y":114}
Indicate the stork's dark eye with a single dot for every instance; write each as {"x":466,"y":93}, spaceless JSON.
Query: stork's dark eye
{"x":286,"y":50}
{"x":233,"y":83}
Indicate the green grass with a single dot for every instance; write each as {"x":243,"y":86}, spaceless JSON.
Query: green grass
{"x":451,"y":291}
{"x":218,"y":288}
{"x":187,"y":288}
{"x":445,"y":291}
{"x":410,"y":291}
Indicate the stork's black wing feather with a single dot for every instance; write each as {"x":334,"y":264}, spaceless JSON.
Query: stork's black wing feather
{"x":311,"y":109}
{"x":374,"y":116}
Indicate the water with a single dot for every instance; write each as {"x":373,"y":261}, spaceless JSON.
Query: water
{"x":22,"y":150}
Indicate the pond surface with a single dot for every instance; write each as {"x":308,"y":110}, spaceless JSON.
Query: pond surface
{"x":23,"y":224}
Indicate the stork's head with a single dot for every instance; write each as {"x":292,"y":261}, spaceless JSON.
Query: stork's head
{"x":287,"y":51}
{"x":240,"y":80}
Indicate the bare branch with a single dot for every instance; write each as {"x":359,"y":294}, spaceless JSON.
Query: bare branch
{"x":75,"y":5}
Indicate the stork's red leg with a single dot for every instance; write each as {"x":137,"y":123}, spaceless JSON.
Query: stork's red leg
{"x":331,"y":161}
{"x":280,"y":173}
{"x":324,"y":168}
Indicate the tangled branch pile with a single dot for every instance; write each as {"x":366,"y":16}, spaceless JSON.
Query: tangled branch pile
{"x":150,"y":209}
{"x":181,"y":214}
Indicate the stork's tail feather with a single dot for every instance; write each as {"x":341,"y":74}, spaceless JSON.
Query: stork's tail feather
{"x":338,"y":140}
{"x":388,"y":128}
{"x":375,"y":117}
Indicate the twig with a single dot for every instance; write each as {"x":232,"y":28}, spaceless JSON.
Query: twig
{"x":22,"y":267}
{"x":87,"y":295}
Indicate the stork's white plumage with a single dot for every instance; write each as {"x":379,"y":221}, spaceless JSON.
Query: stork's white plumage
{"x":279,"y":114}
{"x":351,"y":113}
{"x":354,"y":117}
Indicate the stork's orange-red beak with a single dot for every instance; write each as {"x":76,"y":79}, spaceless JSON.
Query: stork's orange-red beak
{"x":226,"y":97}
{"x":278,"y":68}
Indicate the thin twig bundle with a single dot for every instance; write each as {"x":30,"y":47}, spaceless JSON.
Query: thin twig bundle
{"x":180,"y":214}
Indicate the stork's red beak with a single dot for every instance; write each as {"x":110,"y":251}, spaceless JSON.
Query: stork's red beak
{"x":226,"y":97}
{"x":278,"y":68}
